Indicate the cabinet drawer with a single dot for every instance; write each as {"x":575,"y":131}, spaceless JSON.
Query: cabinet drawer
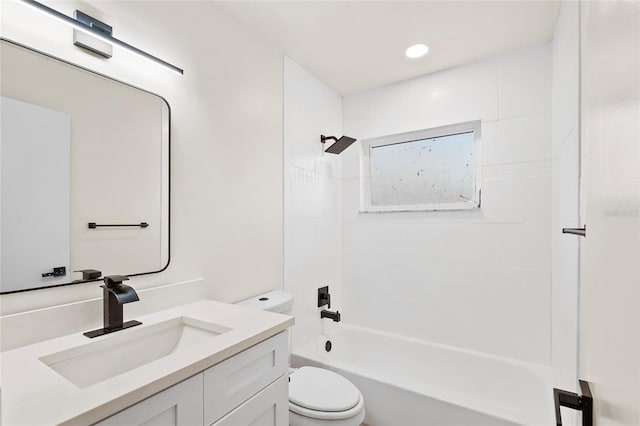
{"x":180,"y":405}
{"x":270,"y":407}
{"x":235,"y":380}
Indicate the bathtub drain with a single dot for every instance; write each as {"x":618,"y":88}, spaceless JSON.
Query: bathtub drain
{"x":327,"y":346}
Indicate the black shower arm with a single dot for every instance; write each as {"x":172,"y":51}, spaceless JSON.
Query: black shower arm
{"x":324,"y":138}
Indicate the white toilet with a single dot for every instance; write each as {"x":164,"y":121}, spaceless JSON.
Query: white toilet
{"x":317,"y":397}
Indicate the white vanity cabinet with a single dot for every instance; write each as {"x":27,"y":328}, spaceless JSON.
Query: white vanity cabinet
{"x":250,"y":388}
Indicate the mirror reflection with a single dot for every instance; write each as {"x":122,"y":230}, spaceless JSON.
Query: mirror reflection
{"x":84,"y":174}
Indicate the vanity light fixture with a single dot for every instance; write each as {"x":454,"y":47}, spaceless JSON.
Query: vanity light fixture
{"x":416,"y":51}
{"x":98,"y":30}
{"x":89,"y":42}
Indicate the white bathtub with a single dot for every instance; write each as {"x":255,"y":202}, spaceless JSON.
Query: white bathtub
{"x":407,"y":382}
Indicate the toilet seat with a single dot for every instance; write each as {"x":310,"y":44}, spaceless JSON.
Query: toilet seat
{"x":322,"y":394}
{"x":327,"y":415}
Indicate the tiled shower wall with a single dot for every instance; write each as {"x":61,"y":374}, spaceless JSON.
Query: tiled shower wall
{"x":479,"y":279}
{"x":313,"y":244}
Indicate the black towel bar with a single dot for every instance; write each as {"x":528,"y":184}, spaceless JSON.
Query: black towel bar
{"x":93,"y":225}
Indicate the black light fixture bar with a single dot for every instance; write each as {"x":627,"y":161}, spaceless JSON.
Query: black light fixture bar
{"x":96,"y":32}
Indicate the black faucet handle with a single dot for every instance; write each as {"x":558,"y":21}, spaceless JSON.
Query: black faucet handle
{"x":115,"y":280}
{"x":324,"y":298}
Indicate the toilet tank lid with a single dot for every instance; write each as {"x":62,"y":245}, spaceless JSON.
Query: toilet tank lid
{"x":274,"y":301}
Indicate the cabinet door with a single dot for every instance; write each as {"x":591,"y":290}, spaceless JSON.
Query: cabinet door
{"x":180,"y":405}
{"x":235,"y":380}
{"x":270,"y":407}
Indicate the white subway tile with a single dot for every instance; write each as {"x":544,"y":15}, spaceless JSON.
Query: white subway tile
{"x":405,"y":107}
{"x":517,"y":170}
{"x":565,"y":74}
{"x":507,"y":245}
{"x":521,"y":139}
{"x":524,"y":82}
{"x":517,"y":200}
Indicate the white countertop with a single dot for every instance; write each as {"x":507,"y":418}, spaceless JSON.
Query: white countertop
{"x":34,"y":394}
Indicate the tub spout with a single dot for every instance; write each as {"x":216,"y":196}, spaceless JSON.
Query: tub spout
{"x":330,"y":314}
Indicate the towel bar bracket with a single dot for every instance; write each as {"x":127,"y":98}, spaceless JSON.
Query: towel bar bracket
{"x":576,"y":231}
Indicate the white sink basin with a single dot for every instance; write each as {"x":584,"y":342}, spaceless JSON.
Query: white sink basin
{"x":117,"y":353}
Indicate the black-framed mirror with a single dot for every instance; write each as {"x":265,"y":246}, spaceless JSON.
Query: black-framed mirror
{"x":84,"y":174}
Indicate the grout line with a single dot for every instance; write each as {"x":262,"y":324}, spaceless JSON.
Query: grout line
{"x":546,"y":160}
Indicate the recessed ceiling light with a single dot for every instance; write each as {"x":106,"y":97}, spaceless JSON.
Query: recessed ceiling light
{"x":416,"y":51}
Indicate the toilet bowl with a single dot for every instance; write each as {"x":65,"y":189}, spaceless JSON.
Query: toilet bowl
{"x":317,"y":397}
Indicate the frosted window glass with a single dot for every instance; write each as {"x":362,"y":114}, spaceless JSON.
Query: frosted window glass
{"x":426,"y":171}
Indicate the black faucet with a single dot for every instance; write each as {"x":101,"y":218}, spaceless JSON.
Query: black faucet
{"x":330,"y":314}
{"x":115,"y":294}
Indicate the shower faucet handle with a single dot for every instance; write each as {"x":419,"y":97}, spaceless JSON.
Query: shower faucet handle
{"x":324,"y":298}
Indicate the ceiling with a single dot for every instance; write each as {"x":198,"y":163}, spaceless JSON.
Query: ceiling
{"x":357,"y":45}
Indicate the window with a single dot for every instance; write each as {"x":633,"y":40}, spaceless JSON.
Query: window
{"x":431,"y":169}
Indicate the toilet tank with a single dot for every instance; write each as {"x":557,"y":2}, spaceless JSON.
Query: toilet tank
{"x":274,"y":301}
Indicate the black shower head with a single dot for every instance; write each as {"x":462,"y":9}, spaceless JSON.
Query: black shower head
{"x":341,"y":144}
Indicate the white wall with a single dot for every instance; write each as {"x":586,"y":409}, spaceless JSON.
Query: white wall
{"x":474,"y":279}
{"x":610,"y":206}
{"x":226,"y":154}
{"x":565,"y":80}
{"x":312,"y":198}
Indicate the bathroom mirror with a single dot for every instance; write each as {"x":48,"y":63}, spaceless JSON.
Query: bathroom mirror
{"x":84,"y":174}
